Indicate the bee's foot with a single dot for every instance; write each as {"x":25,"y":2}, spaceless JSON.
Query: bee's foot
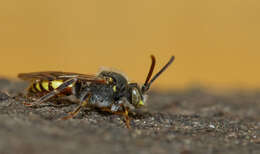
{"x":69,"y":116}
{"x":29,"y":104}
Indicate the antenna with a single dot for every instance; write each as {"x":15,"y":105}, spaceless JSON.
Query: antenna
{"x":148,"y":83}
{"x":150,"y":71}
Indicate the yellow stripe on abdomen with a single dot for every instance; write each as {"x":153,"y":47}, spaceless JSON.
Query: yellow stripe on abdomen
{"x":32,"y":89}
{"x":45,"y":85}
{"x":38,"y":87}
{"x":56,"y":83}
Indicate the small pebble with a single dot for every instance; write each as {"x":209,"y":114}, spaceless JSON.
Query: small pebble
{"x":3,"y":96}
{"x":211,"y":126}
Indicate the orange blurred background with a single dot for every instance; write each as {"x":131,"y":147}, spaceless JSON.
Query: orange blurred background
{"x":216,"y":43}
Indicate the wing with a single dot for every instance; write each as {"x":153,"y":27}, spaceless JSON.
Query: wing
{"x":52,"y":75}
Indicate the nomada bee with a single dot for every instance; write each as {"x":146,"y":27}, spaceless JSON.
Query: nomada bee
{"x":109,"y":91}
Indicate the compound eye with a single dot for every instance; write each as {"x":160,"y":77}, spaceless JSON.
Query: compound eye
{"x":136,"y":98}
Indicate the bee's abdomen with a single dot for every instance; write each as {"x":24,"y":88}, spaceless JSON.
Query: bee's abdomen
{"x":47,"y":86}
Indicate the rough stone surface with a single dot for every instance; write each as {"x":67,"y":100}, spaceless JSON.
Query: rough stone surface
{"x":183,"y":122}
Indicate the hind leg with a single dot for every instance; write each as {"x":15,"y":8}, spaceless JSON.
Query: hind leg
{"x":51,"y":94}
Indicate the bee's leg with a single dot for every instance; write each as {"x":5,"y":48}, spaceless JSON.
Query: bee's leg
{"x":53,"y":93}
{"x":83,"y":102}
{"x":72,"y":114}
{"x":125,"y":114}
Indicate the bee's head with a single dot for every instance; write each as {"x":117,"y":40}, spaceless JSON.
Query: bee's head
{"x":136,"y":94}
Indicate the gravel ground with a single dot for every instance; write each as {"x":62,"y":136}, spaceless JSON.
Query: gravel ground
{"x":183,"y":122}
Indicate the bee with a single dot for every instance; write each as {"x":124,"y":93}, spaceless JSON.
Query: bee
{"x":109,"y":91}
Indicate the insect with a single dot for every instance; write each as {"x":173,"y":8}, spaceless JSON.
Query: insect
{"x":109,"y":91}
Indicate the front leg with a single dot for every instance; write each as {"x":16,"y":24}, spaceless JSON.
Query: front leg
{"x":122,"y":108}
{"x":119,"y":109}
{"x":125,"y":114}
